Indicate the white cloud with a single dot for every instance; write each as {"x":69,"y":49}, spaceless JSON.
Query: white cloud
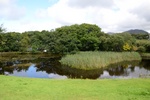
{"x":29,"y":25}
{"x":90,"y":3}
{"x":110,"y":15}
{"x":142,"y":10}
{"x":10,"y":11}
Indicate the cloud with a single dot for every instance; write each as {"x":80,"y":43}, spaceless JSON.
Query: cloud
{"x":9,"y":10}
{"x":110,"y":15}
{"x":90,"y":3}
{"x":142,"y":10}
{"x":95,"y":13}
{"x":30,"y":25}
{"x":134,"y":14}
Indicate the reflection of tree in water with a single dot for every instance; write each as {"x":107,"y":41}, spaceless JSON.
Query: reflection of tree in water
{"x":1,"y":70}
{"x":145,"y":64}
{"x":8,"y":67}
{"x":123,"y":68}
{"x":54,"y":66}
{"x":47,"y":65}
{"x":78,"y":73}
{"x":120,"y":70}
{"x":132,"y":68}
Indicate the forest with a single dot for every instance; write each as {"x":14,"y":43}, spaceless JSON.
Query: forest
{"x":71,"y":39}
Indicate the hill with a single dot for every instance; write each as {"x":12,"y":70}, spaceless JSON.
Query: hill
{"x":137,"y":31}
{"x":139,"y":34}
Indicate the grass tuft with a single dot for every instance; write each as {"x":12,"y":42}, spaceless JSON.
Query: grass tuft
{"x":94,"y":60}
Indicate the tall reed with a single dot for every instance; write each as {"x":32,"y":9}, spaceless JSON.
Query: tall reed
{"x":145,"y":56}
{"x":94,"y":60}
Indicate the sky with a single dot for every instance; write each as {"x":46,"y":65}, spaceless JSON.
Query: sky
{"x":109,"y":15}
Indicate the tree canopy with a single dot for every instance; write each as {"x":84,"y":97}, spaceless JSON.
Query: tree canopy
{"x":69,"y":39}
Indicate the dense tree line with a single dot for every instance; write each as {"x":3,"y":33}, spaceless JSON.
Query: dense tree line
{"x":141,"y":36}
{"x":67,"y":39}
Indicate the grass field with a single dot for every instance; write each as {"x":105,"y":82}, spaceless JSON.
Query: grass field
{"x":94,"y":60}
{"x":16,"y":88}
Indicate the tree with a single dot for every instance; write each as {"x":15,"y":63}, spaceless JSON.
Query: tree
{"x":144,"y":43}
{"x":62,"y":42}
{"x":2,"y":29}
{"x":25,"y":42}
{"x":128,"y":40}
{"x":88,"y":35}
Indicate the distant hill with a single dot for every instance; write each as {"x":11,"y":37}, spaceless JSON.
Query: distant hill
{"x":110,"y":33}
{"x":139,"y":34}
{"x":137,"y":31}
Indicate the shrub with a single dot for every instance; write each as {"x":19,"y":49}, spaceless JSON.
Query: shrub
{"x":145,"y":44}
{"x":141,"y":49}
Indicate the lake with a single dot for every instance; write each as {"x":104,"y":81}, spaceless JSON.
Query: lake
{"x":48,"y":66}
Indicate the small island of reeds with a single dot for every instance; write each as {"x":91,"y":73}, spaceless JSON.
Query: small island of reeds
{"x":95,"y":60}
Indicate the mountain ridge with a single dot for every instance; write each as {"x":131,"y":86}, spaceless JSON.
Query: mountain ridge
{"x":136,"y":31}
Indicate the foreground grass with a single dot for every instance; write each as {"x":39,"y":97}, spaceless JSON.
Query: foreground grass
{"x":14,"y":88}
{"x":94,"y":60}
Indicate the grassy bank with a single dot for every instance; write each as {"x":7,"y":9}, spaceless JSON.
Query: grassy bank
{"x":93,"y":60}
{"x":145,"y":56}
{"x":12,"y":56}
{"x":14,"y":88}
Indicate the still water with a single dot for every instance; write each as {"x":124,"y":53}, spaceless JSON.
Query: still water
{"x":44,"y":66}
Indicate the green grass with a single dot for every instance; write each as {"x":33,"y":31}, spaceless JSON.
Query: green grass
{"x":94,"y":60}
{"x":15,"y":88}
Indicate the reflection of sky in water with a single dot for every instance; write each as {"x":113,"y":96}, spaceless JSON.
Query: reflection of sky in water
{"x":129,"y":74}
{"x":31,"y":72}
{"x":52,"y":75}
{"x":48,"y":70}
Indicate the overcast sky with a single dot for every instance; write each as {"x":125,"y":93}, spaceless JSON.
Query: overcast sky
{"x":110,"y":15}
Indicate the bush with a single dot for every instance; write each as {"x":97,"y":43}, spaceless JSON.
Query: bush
{"x":141,"y":49}
{"x":145,"y":44}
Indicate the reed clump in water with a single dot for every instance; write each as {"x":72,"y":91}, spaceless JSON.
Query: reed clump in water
{"x":94,"y":60}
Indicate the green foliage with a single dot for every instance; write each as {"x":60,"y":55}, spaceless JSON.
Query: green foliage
{"x":25,"y":42}
{"x":145,"y":44}
{"x":141,"y":36}
{"x":62,"y":43}
{"x":141,"y":49}
{"x":89,"y":43}
{"x":2,"y":30}
{"x":68,"y":39}
{"x":116,"y":42}
{"x":10,"y":41}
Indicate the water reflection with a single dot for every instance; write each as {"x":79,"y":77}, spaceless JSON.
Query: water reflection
{"x":49,"y":67}
{"x":140,"y":69}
